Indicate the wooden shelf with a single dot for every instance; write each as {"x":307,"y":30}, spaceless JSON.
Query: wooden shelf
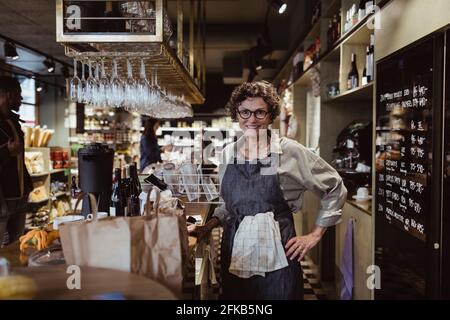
{"x":58,"y":170}
{"x":46,"y":173}
{"x":41,"y":201}
{"x":37,"y":175}
{"x":359,"y":34}
{"x":364,"y":93}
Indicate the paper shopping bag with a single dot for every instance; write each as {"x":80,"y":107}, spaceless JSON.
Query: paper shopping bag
{"x":146,"y":245}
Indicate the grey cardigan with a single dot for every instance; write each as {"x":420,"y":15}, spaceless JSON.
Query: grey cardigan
{"x":298,"y":170}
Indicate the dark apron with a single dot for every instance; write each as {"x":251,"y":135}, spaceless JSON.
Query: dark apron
{"x":246,"y":193}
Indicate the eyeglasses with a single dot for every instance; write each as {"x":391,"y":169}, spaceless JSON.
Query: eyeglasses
{"x":259,"y":114}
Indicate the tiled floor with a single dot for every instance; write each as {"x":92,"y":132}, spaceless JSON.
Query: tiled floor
{"x":312,"y":287}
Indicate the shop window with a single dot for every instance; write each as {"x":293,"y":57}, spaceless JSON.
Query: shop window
{"x":28,"y":109}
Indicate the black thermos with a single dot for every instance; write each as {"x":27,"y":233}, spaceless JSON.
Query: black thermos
{"x":95,"y":167}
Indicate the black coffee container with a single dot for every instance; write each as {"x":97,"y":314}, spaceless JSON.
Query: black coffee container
{"x":95,"y":167}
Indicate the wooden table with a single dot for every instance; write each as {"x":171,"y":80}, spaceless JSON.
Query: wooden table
{"x":52,"y":284}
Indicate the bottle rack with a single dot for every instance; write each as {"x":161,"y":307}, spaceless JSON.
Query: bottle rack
{"x":153,"y":46}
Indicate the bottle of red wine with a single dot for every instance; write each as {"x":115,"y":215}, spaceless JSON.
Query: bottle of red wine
{"x":330,"y":34}
{"x":136,"y":178}
{"x":74,"y":188}
{"x":116,"y":207}
{"x":353,"y":76}
{"x":125,"y":188}
{"x":134,"y":208}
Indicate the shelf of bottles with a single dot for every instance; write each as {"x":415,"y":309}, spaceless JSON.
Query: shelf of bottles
{"x":140,"y":31}
{"x":126,"y":189}
{"x":340,"y":28}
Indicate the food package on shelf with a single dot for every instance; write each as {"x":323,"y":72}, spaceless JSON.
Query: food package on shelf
{"x":34,"y":161}
{"x":38,"y":194}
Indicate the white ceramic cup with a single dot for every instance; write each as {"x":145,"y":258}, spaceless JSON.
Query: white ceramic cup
{"x":100,"y":215}
{"x":64,"y":219}
{"x":362,"y":193}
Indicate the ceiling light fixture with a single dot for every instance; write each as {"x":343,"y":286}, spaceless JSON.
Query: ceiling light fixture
{"x":10,"y":51}
{"x":281,"y":6}
{"x":39,"y":88}
{"x":50,"y":65}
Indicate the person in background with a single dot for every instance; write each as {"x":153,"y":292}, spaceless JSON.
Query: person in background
{"x":149,"y":147}
{"x":263,"y":178}
{"x":15,"y":182}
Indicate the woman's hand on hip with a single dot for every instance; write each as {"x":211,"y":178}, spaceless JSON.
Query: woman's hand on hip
{"x":298,"y":247}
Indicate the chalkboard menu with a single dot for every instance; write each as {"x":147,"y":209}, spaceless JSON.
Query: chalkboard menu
{"x":404,"y":140}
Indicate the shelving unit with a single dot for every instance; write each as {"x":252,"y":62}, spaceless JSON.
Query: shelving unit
{"x":360,"y":94}
{"x":333,"y":64}
{"x":45,"y":179}
{"x":322,"y":117}
{"x":124,"y":140}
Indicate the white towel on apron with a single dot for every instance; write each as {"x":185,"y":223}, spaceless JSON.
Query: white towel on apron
{"x":257,"y":247}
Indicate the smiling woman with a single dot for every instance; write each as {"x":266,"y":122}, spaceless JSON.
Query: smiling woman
{"x":260,"y":249}
{"x":266,"y":98}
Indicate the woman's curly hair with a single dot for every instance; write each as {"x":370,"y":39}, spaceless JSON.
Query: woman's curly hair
{"x":261,"y":89}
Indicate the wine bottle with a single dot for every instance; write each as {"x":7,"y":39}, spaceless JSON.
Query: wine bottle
{"x":353,"y":76}
{"x":364,"y":80}
{"x":330,"y":34}
{"x":116,"y":207}
{"x":366,"y":74}
{"x":335,"y":33}
{"x":125,"y":188}
{"x":136,"y":178}
{"x":371,"y":62}
{"x":74,"y":189}
{"x":134,"y":208}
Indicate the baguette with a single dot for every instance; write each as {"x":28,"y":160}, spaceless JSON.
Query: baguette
{"x":36,"y":136}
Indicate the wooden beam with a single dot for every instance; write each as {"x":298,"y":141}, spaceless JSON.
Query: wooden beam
{"x":191,"y":37}
{"x":180,"y":29}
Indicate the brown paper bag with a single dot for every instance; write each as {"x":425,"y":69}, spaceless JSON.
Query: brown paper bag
{"x":144,"y":245}
{"x":181,"y":227}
